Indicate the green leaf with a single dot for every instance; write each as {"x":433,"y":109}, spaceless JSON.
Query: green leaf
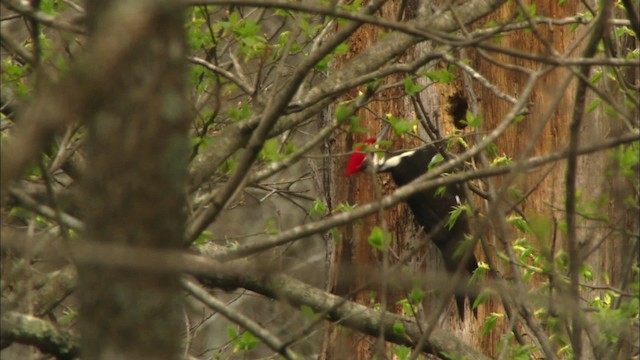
{"x":519,"y":223}
{"x":402,"y":352}
{"x":13,"y":75}
{"x":406,"y":305}
{"x":344,"y":207}
{"x":20,"y":213}
{"x":69,"y":316}
{"x":480,"y":271}
{"x":232,"y":333}
{"x":398,"y":328}
{"x":500,"y":161}
{"x":412,"y":88}
{"x":530,"y":10}
{"x":442,"y":76}
{"x":308,"y":312}
{"x":594,"y":105}
{"x":628,"y":158}
{"x":335,"y":235}
{"x":517,"y":119}
{"x":343,"y":112}
{"x":586,"y":272}
{"x":416,"y":296}
{"x":492,"y":150}
{"x":245,"y":342}
{"x":283,"y":13}
{"x":352,"y":6}
{"x":229,"y":165}
{"x":51,"y":7}
{"x":454,"y":215}
{"x":323,"y":65}
{"x":354,"y":125}
{"x":400,"y":126}
{"x":595,"y":77}
{"x":241,"y":112}
{"x":490,"y":323}
{"x":440,"y":191}
{"x":472,"y":120}
{"x":456,"y":139}
{"x":435,"y":161}
{"x":490,"y":24}
{"x":341,"y":49}
{"x":200,"y":142}
{"x":379,"y":239}
{"x":625,"y":31}
{"x":271,"y":227}
{"x":203,"y":238}
{"x":481,"y":299}
{"x":271,"y":151}
{"x":318,"y":208}
{"x":248,"y":342}
{"x":290,"y":148}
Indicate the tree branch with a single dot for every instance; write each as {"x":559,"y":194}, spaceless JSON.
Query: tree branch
{"x":29,"y":330}
{"x":260,"y":332}
{"x":575,"y":258}
{"x":357,"y":316}
{"x":401,"y":194}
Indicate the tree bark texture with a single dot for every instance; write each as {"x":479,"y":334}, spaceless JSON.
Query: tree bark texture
{"x":353,"y":259}
{"x":545,"y":129}
{"x":134,"y":181}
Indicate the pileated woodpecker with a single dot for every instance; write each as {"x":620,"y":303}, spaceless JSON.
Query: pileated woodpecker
{"x":429,"y":209}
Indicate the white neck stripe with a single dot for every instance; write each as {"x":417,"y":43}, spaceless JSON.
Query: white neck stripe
{"x":384,"y":164}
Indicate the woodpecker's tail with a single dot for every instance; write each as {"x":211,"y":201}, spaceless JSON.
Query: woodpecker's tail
{"x":460,"y":298}
{"x":464,"y":291}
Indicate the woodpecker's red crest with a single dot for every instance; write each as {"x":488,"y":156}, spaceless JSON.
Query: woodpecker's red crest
{"x":358,"y":158}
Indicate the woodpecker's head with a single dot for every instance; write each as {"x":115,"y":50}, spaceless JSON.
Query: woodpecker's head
{"x":370,"y":159}
{"x":360,"y":160}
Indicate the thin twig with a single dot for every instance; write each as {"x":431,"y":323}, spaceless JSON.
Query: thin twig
{"x":260,"y":332}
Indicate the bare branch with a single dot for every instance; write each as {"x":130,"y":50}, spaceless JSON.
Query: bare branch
{"x":234,"y":79}
{"x":260,"y":332}
{"x":421,"y":184}
{"x":42,"y":17}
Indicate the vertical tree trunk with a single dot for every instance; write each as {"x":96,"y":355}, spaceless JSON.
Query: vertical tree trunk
{"x":546,"y":186}
{"x":357,"y":268}
{"x":354,"y":261}
{"x":137,"y":151}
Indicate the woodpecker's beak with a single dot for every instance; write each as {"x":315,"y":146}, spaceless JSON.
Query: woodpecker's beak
{"x":375,"y":160}
{"x":383,"y":133}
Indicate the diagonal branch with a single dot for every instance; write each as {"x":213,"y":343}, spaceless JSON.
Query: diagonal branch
{"x":400,"y":195}
{"x":371,"y":59}
{"x":242,"y":273}
{"x":269,"y":339}
{"x":270,"y":117}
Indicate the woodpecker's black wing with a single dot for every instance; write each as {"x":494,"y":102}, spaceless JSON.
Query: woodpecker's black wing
{"x":431,"y":211}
